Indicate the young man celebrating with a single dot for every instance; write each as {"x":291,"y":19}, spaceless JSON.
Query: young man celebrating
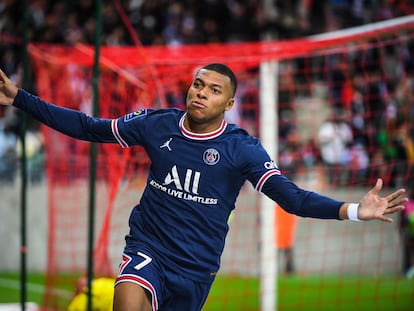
{"x":199,"y":164}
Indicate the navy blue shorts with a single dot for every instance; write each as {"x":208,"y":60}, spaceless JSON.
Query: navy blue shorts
{"x":169,"y":291}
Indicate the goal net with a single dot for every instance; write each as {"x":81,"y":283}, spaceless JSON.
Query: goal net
{"x":362,"y":77}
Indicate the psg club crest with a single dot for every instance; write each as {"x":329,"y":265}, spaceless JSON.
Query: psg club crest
{"x":211,"y":156}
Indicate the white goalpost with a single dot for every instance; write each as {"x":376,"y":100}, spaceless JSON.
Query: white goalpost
{"x":268,"y":133}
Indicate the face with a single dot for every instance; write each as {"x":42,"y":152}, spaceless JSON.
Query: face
{"x":208,"y":97}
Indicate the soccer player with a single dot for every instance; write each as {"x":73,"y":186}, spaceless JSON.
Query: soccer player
{"x":199,"y":164}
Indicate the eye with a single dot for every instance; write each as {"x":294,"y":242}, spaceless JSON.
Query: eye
{"x":197,"y":84}
{"x":216,"y":91}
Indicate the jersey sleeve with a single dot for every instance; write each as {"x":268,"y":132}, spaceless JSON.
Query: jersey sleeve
{"x":67,"y":121}
{"x":267,"y":178}
{"x":298,"y":201}
{"x":131,"y":129}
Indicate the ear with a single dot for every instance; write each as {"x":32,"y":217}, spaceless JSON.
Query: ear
{"x":230,"y":104}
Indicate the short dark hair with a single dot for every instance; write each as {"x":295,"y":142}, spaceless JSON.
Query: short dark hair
{"x":224,"y":70}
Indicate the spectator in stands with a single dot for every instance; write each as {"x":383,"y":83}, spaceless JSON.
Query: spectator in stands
{"x":335,"y":140}
{"x":403,"y":145}
{"x":359,"y":162}
{"x":35,"y":154}
{"x":290,"y":157}
{"x":375,"y":98}
{"x":240,"y":25}
{"x":8,"y":156}
{"x":357,"y":107}
{"x":338,"y":82}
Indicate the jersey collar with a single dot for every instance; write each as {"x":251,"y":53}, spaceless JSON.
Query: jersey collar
{"x":203,"y":136}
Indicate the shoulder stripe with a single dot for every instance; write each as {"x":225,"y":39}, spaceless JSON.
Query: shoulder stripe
{"x":141,"y":282}
{"x":265,"y":177}
{"x":120,"y":140}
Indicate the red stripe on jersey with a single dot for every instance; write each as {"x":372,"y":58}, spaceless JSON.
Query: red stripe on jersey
{"x":125,"y":261}
{"x":202,"y":136}
{"x":141,"y":282}
{"x":265,"y":177}
{"x":114,"y":127}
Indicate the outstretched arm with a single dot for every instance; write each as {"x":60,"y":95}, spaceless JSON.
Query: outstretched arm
{"x":67,"y":121}
{"x":311,"y":204}
{"x":373,"y":206}
{"x":8,"y":90}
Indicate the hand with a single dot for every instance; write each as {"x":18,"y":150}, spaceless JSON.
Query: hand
{"x":372,"y":206}
{"x":8,"y":90}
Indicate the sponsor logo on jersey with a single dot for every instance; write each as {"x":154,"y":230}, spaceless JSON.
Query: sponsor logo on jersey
{"x":270,"y":165}
{"x":167,"y":144}
{"x":136,"y":114}
{"x":183,"y":188}
{"x":191,"y":181}
{"x":211,"y":156}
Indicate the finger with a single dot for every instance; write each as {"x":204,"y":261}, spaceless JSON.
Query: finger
{"x":378,"y":186}
{"x":400,"y":201}
{"x":394,"y":209}
{"x":385,"y":219}
{"x":398,"y":204}
{"x":395,"y":194}
{"x":3,"y":76}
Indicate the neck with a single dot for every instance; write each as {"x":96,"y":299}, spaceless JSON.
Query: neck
{"x":201,"y":127}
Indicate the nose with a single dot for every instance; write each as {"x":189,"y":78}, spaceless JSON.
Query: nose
{"x":201,"y":92}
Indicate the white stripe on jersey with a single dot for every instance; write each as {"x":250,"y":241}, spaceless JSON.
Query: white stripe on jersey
{"x":114,"y":127}
{"x":265,"y":177}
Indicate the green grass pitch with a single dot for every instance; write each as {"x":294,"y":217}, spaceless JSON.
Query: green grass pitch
{"x":293,"y":292}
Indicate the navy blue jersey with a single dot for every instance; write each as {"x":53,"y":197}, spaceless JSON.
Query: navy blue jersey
{"x":193,"y":182}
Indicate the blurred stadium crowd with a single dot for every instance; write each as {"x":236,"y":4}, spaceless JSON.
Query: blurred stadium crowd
{"x":169,"y":22}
